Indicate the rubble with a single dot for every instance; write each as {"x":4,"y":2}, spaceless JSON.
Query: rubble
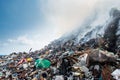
{"x":88,"y":64}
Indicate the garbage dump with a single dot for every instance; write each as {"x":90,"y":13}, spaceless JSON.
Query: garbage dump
{"x":93,"y":60}
{"x":63,"y":64}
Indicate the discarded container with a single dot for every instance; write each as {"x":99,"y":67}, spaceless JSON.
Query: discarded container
{"x":116,"y":74}
{"x":42,"y":63}
{"x":29,"y":59}
{"x":25,"y":66}
{"x":59,"y":77}
{"x":76,"y":74}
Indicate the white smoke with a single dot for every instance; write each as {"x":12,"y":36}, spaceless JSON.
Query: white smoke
{"x":98,"y":18}
{"x":67,"y":15}
{"x":64,"y":16}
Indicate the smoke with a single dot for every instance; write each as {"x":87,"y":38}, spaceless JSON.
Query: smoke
{"x":61,"y":16}
{"x":98,"y":19}
{"x":66,"y":15}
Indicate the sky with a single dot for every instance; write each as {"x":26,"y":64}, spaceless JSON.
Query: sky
{"x":26,"y":24}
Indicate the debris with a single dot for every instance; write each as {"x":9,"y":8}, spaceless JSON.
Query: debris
{"x":116,"y":74}
{"x":60,"y":64}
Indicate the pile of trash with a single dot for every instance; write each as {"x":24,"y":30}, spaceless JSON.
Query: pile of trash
{"x":61,"y":64}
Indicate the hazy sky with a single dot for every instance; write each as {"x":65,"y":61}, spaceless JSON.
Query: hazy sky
{"x":26,"y":24}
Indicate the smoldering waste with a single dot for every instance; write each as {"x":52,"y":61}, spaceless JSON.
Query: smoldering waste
{"x":96,"y":59}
